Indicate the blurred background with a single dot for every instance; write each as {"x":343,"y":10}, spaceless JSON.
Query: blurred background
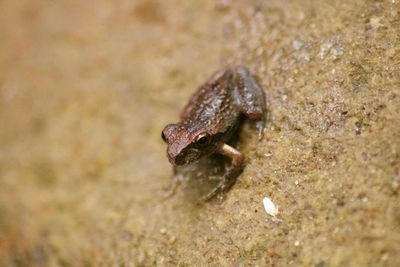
{"x":87,"y":86}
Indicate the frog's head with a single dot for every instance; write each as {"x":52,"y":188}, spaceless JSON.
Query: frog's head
{"x":186,"y":145}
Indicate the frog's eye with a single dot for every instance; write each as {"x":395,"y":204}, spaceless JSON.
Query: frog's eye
{"x":163,"y":137}
{"x":202,"y":138}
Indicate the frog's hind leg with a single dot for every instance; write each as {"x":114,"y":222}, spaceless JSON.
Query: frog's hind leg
{"x":251,"y":97}
{"x":231,"y":174}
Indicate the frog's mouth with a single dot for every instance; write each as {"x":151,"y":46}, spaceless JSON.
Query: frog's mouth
{"x":179,"y":161}
{"x":186,"y":156}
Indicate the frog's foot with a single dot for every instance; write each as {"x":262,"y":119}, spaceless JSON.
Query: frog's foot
{"x":232,"y":173}
{"x":172,"y":187}
{"x":222,"y":186}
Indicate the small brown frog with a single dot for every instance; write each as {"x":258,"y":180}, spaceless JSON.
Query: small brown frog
{"x":209,"y":121}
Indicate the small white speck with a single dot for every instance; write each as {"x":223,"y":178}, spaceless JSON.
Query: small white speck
{"x":296,"y":243}
{"x":268,"y":154}
{"x":296,"y":182}
{"x":365,"y":199}
{"x":270,"y":207}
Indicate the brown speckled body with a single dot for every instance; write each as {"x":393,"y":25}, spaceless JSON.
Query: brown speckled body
{"x":211,"y":117}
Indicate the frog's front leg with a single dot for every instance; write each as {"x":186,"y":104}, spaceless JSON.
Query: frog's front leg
{"x":173,"y":185}
{"x":251,"y":97}
{"x":232,"y":172}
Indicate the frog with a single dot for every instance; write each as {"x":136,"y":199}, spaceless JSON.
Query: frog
{"x":209,"y":122}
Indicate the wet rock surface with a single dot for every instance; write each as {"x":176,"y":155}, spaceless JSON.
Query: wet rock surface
{"x":86,"y":88}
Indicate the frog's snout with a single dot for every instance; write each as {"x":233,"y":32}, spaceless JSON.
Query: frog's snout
{"x":175,"y":157}
{"x":177,"y":160}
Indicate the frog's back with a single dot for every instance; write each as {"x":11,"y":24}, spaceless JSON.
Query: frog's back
{"x":213,"y":107}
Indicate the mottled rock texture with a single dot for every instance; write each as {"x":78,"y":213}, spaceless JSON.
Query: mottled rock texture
{"x":87,"y":86}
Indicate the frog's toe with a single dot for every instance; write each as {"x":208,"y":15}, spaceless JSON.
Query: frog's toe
{"x":211,"y":194}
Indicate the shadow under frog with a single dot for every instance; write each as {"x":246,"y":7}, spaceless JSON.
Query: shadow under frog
{"x":209,"y":122}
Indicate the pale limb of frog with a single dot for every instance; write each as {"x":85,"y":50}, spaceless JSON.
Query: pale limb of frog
{"x":232,"y":172}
